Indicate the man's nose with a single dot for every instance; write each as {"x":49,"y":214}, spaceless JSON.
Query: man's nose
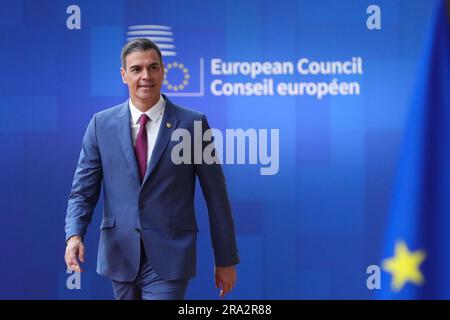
{"x":146,"y":74}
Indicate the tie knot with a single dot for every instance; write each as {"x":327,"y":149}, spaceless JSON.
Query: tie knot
{"x":143,"y":119}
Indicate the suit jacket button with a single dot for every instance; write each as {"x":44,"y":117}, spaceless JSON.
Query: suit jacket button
{"x":137,"y":230}
{"x":141,"y":206}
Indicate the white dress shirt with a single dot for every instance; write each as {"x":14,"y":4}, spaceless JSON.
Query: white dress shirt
{"x":155,"y":113}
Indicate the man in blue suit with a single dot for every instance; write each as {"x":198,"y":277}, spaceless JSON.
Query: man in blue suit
{"x":148,"y":232}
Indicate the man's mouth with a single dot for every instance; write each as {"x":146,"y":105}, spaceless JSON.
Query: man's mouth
{"x":147,"y":86}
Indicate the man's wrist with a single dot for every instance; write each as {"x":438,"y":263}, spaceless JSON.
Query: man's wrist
{"x":78,"y":237}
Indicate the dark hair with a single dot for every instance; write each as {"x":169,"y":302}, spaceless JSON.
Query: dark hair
{"x":139,"y":44}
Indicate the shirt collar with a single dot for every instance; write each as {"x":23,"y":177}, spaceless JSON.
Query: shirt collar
{"x":153,"y":113}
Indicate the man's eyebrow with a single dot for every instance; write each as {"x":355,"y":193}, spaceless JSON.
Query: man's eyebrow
{"x":156,"y":63}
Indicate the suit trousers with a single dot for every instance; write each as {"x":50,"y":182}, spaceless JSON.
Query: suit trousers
{"x":148,"y":285}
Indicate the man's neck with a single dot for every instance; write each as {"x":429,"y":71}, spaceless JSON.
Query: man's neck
{"x":144,"y":105}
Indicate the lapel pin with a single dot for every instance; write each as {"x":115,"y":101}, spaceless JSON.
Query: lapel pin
{"x":168,"y":125}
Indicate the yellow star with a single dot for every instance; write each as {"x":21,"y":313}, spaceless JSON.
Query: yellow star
{"x":404,"y":266}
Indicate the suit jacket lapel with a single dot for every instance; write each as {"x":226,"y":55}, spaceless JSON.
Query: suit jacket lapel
{"x":124,"y":132}
{"x":168,"y":124}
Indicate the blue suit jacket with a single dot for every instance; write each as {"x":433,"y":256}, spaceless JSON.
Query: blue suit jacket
{"x":160,"y":210}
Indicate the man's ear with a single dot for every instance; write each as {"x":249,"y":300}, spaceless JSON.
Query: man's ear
{"x":122,"y":72}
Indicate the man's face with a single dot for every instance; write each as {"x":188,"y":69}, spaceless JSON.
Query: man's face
{"x":144,"y":75}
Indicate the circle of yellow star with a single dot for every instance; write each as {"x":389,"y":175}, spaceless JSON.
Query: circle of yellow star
{"x":404,"y":266}
{"x":185,"y":80}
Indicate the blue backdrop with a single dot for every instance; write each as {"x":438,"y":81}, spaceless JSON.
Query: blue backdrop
{"x":309,"y":231}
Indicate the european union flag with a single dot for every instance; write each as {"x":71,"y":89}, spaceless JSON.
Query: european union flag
{"x":416,"y":257}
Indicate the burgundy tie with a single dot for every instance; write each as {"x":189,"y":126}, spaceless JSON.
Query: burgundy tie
{"x":141,"y":146}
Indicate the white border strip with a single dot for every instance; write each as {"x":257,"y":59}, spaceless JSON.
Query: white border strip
{"x":150,"y":33}
{"x":149,"y":26}
{"x":168,"y":53}
{"x":154,"y":39}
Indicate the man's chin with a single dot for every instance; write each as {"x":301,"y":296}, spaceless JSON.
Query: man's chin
{"x":145,"y":91}
{"x":150,"y":97}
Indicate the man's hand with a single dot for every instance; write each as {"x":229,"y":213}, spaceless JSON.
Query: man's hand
{"x":74,"y":253}
{"x":225,"y":278}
